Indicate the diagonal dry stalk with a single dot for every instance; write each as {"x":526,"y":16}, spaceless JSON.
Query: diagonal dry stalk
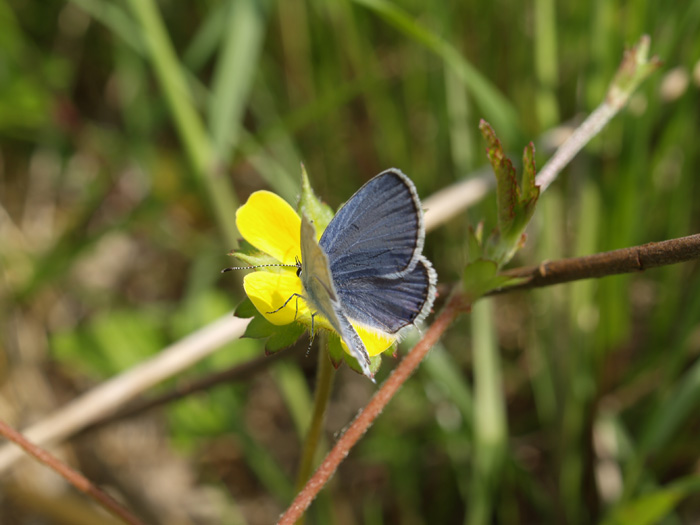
{"x":74,"y":478}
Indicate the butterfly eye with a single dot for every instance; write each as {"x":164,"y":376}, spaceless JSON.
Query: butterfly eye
{"x":298,"y":262}
{"x":299,"y":271}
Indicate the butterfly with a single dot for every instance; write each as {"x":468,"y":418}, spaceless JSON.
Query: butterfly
{"x":368,"y":266}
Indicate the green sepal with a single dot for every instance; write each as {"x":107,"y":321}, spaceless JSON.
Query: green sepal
{"x":335,"y":350}
{"x":251,"y":256}
{"x":246,"y":309}
{"x":374,"y":363}
{"x":481,"y":276}
{"x":259,"y":328}
{"x":276,"y":337}
{"x":315,"y":209}
{"x":338,"y":356}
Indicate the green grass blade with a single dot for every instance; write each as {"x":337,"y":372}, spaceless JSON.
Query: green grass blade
{"x":235,"y":72}
{"x":198,"y":145}
{"x":490,"y":427}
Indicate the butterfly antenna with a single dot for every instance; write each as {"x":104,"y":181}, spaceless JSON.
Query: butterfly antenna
{"x":259,"y":266}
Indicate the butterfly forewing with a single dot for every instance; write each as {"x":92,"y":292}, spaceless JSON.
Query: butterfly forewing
{"x":378,"y":232}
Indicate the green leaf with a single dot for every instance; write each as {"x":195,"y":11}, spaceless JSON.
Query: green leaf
{"x":315,"y":209}
{"x":515,"y":205}
{"x":530,"y":190}
{"x":507,"y":191}
{"x":475,"y":248}
{"x":481,"y":276}
{"x":529,"y":193}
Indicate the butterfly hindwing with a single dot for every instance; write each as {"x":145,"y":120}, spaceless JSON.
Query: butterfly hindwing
{"x":389,"y":304}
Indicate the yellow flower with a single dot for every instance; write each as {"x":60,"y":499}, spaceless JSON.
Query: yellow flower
{"x":272,"y":226}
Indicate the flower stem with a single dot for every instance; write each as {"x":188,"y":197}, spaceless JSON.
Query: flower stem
{"x":456,"y":305}
{"x":324,"y":383}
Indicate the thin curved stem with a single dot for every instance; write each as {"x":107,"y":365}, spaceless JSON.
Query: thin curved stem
{"x":635,"y":67}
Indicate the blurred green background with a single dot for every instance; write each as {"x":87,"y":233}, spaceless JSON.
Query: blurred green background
{"x":129,"y":133}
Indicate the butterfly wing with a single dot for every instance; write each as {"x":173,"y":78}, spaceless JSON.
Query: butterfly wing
{"x":320,"y":293}
{"x":389,"y":304}
{"x":378,"y":232}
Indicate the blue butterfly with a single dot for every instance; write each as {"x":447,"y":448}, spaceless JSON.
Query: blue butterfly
{"x":368,"y":267}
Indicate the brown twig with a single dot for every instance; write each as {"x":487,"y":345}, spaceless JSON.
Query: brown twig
{"x":71,"y":476}
{"x":625,"y":260}
{"x":364,"y":419}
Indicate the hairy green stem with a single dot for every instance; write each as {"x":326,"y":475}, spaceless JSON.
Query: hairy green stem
{"x":324,"y":382}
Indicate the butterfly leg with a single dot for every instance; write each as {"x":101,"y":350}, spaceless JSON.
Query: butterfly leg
{"x":294,"y":295}
{"x":313,"y":334}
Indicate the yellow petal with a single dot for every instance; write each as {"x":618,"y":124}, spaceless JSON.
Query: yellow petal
{"x":375,"y":342}
{"x":269,"y":291}
{"x":270,"y":224}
